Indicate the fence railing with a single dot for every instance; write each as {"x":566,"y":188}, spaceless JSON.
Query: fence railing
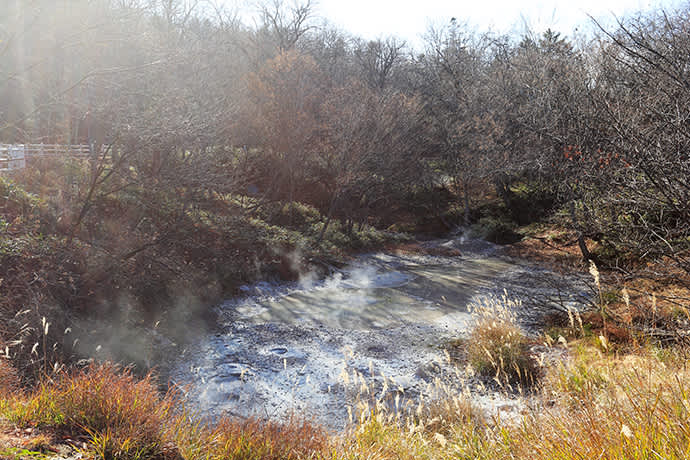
{"x":15,"y":156}
{"x":12,"y":157}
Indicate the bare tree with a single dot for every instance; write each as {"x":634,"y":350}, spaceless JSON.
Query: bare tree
{"x":643,"y":93}
{"x":377,"y":59}
{"x":288,"y":24}
{"x":456,"y":91}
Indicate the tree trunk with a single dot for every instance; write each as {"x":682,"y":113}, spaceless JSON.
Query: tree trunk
{"x":323,"y":229}
{"x":502,"y":185}
{"x":586,"y":255}
{"x":466,"y":199}
{"x":331,"y":208}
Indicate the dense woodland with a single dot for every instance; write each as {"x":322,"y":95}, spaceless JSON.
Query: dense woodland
{"x":225,"y":151}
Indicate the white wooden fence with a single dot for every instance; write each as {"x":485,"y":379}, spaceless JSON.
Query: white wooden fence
{"x":14,"y":156}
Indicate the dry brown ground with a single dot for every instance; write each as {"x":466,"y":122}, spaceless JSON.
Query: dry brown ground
{"x":658,"y":296}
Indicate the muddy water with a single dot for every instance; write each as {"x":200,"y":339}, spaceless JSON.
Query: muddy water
{"x":307,"y":349}
{"x":372,"y":296}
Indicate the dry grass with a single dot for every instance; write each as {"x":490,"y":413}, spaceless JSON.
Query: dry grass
{"x":598,"y":403}
{"x":497,"y":347}
{"x":596,"y":406}
{"x":118,"y":415}
{"x":607,"y":407}
{"x":249,"y":439}
{"x":376,"y":440}
{"x":426,"y":434}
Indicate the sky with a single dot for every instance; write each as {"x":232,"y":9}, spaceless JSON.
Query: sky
{"x":410,"y":19}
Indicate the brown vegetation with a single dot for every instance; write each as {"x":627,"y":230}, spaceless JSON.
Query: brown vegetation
{"x":106,"y":412}
{"x":497,"y":347}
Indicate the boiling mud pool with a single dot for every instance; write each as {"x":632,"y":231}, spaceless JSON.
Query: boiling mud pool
{"x":311,"y":350}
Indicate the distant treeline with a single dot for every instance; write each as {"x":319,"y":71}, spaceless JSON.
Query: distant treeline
{"x":193,"y":103}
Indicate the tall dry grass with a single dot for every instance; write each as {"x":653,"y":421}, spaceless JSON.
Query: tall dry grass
{"x":608,"y":407}
{"x":248,"y":440}
{"x":121,"y":416}
{"x":497,"y":347}
{"x":595,"y":404}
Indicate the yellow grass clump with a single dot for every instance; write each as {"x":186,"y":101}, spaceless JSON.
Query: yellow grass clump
{"x":497,"y":347}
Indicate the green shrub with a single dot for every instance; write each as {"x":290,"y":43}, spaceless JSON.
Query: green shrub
{"x":294,"y":215}
{"x":495,"y":229}
{"x":531,"y":202}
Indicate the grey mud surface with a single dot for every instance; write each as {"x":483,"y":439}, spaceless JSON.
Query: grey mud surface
{"x":375,"y":331}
